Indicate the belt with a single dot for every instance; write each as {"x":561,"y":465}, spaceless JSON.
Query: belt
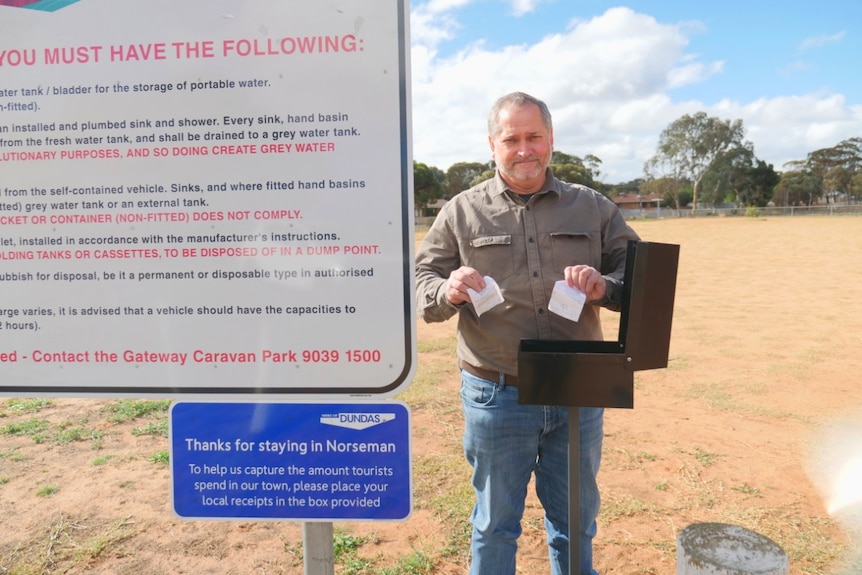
{"x":510,"y":380}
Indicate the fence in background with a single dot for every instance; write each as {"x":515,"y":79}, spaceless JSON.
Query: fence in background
{"x":823,"y":210}
{"x":424,"y":223}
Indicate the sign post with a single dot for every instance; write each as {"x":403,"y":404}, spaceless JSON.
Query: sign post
{"x":205,"y":199}
{"x":213,"y":200}
{"x":297,"y":461}
{"x":315,"y":463}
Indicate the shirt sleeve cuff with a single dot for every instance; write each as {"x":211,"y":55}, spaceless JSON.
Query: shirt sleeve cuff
{"x":613,"y":299}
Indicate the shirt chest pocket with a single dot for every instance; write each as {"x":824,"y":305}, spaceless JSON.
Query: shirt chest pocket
{"x":492,"y":256}
{"x":571,"y":249}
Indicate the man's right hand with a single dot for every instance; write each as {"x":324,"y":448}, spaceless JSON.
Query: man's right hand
{"x":458,"y":282}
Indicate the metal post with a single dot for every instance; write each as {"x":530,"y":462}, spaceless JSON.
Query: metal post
{"x":317,"y":551}
{"x":574,"y":491}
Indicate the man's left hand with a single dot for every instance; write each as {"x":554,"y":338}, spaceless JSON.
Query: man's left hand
{"x":587,"y":279}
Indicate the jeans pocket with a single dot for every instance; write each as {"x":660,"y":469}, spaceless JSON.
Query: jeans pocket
{"x":477,"y":392}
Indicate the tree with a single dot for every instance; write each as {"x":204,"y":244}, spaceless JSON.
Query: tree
{"x":847,"y":153}
{"x":835,"y":167}
{"x":837,"y":180}
{"x":723,"y":178}
{"x":575,"y":170}
{"x":427,"y":185}
{"x":665,"y":176}
{"x":673,"y":192}
{"x":630,"y":187}
{"x":796,"y":187}
{"x":738,"y":176}
{"x":756,"y":184}
{"x":459,"y":177}
{"x":856,"y":186}
{"x":479,"y":178}
{"x":690,"y":144}
{"x":593,"y":164}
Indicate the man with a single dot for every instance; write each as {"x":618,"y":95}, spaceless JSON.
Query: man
{"x":525,"y":229}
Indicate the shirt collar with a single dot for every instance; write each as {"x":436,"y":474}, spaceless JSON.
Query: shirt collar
{"x":550,"y":185}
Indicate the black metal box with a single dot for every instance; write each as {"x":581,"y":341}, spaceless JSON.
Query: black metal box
{"x":601,"y":373}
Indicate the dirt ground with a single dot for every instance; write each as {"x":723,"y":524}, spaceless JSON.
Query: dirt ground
{"x":741,"y":428}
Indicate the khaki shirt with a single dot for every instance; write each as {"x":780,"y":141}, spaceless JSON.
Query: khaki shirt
{"x":525,"y":248}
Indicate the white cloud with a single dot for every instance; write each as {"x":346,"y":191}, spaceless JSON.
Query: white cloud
{"x":608,"y":82}
{"x":441,"y":6}
{"x":693,"y":73}
{"x":521,"y":7}
{"x":817,"y":41}
{"x":788,"y":128}
{"x":428,"y":28}
{"x":586,"y":74}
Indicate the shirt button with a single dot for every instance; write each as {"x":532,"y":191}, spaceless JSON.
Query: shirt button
{"x":530,"y":240}
{"x":541,"y":311}
{"x":535,"y":274}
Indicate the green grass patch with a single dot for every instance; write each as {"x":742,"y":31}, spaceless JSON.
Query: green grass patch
{"x":705,"y":458}
{"x":443,"y":486}
{"x":718,"y":396}
{"x":747,"y":489}
{"x":345,"y":551}
{"x":344,"y":543}
{"x":424,"y":388}
{"x":73,"y":434}
{"x":715,"y":395}
{"x":155,"y":429}
{"x":160,"y":457}
{"x":95,"y":545}
{"x":28,"y":405}
{"x":30,"y":427}
{"x":614,"y":508}
{"x":129,"y":409}
{"x":354,"y":565}
{"x":48,"y":490}
{"x":102,"y":460}
{"x":12,"y":455}
{"x":416,"y":563}
{"x":68,"y":546}
{"x":445,"y":345}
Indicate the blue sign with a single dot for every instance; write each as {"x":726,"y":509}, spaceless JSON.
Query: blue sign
{"x":297,"y":461}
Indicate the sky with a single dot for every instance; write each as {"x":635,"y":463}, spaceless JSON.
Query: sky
{"x":615,"y":75}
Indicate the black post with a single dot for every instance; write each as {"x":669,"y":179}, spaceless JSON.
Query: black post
{"x":589,"y":373}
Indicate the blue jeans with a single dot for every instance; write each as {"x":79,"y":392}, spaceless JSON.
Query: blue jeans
{"x":506,"y":443}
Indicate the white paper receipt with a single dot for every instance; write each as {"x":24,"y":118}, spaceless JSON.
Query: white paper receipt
{"x":487,"y":298}
{"x":567,"y":301}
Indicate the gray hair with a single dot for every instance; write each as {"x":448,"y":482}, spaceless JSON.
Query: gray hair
{"x":516,"y":99}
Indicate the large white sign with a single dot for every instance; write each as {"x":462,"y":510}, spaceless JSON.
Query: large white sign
{"x":205,"y":197}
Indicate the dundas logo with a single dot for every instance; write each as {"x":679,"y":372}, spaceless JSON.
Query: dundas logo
{"x":356,"y":420}
{"x":43,"y":5}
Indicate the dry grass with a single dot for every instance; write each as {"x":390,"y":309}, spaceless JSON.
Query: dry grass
{"x":767,"y":327}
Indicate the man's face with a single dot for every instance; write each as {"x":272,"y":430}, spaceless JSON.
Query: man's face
{"x":522,"y":148}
